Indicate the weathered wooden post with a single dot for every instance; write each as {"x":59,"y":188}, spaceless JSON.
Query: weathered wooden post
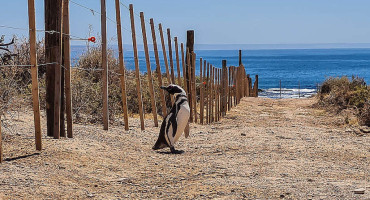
{"x":225,"y":87}
{"x":248,"y":87}
{"x":164,"y":54}
{"x":149,"y":70}
{"x":177,"y":62}
{"x":170,"y":55}
{"x":159,"y":73}
{"x":137,"y":69}
{"x":240,"y":58}
{"x":194,"y":87}
{"x":256,"y":86}
{"x":121,"y":65}
{"x":190,"y":86}
{"x":67,"y":66}
{"x":53,"y":43}
{"x":183,"y":68}
{"x":211,"y":110}
{"x":229,"y":103}
{"x":34,"y":75}
{"x":104,"y":64}
{"x":188,"y":75}
{"x":217,"y":95}
{"x":207,"y":94}
{"x":201,"y":92}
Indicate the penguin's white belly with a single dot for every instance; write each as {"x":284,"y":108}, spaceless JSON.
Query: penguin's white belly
{"x":182,"y":120}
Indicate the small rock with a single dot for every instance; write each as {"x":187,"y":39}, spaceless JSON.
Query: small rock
{"x":90,"y":195}
{"x":243,"y":134}
{"x":282,"y":196}
{"x":359,"y":191}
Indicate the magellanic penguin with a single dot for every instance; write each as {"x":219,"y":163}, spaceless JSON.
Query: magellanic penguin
{"x":174,"y":123}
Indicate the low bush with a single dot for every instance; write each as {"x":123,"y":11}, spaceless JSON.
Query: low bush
{"x":342,"y":93}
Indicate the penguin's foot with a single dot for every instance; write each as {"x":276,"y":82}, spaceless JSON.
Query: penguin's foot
{"x":174,"y":151}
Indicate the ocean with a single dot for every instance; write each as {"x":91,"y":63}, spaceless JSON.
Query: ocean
{"x":299,"y":70}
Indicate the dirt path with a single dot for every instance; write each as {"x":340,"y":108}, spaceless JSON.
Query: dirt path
{"x":264,"y":149}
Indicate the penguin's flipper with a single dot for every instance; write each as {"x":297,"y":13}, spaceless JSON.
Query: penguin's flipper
{"x":187,"y":130}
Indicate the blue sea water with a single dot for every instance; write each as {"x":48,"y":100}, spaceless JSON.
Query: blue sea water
{"x":299,"y":70}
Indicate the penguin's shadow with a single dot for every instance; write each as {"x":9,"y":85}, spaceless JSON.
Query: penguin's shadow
{"x":169,"y":152}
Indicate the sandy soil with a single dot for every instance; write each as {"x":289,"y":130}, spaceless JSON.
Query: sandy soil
{"x":263,"y":149}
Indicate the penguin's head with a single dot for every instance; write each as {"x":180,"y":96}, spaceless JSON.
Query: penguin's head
{"x":173,"y":89}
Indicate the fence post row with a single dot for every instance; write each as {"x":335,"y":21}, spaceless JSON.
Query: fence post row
{"x":220,"y":89}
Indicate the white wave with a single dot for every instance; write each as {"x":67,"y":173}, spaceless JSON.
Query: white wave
{"x":287,"y":93}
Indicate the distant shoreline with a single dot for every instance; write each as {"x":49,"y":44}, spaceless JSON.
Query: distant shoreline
{"x":128,"y":47}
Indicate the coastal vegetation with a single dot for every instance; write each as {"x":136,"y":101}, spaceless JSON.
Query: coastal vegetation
{"x":15,"y":84}
{"x":341,"y":93}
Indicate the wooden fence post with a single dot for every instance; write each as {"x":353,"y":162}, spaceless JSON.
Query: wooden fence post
{"x":190,"y":86}
{"x":235,"y":69}
{"x":121,"y":65}
{"x":204,"y":87}
{"x":194,"y":87}
{"x":137,"y":69}
{"x":183,"y":68}
{"x":104,"y":64}
{"x":164,"y":54}
{"x":34,"y":74}
{"x":211,"y":94}
{"x":170,"y":55}
{"x":159,"y":72}
{"x":248,"y":86}
{"x":230,"y":89}
{"x":217,"y":94}
{"x":67,"y":66}
{"x":53,"y":42}
{"x":177,"y":62}
{"x":201,"y":92}
{"x":149,"y":70}
{"x":240,"y":58}
{"x":207,"y":94}
{"x":188,"y":74}
{"x":256,"y":86}
{"x":225,"y":88}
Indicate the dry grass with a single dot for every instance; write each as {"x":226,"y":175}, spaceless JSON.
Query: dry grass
{"x":341,"y":94}
{"x":15,"y":84}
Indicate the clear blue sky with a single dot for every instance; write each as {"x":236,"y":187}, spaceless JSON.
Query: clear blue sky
{"x":220,"y":21}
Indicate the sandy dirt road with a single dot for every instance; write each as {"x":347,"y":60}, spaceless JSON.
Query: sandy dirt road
{"x":263,"y":149}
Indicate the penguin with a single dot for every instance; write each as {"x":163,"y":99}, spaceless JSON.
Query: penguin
{"x":175,"y":122}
